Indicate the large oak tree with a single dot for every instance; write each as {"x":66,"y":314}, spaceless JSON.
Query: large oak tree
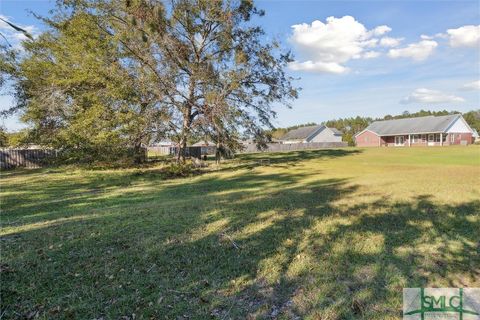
{"x":140,"y":66}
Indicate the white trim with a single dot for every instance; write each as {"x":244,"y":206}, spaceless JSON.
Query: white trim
{"x":452,"y":122}
{"x":315,"y":133}
{"x":399,"y":144}
{"x":464,"y":122}
{"x":416,"y":138}
{"x":333,"y":132}
{"x":407,"y":133}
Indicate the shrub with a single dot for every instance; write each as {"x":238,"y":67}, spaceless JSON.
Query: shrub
{"x":175,"y":169}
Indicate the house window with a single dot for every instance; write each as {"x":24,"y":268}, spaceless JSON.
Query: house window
{"x":399,"y":140}
{"x":437,"y":138}
{"x":431,"y":137}
{"x":452,"y":138}
{"x":415,"y":138}
{"x":423,"y":138}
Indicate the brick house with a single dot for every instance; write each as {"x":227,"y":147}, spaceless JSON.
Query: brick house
{"x":422,"y":131}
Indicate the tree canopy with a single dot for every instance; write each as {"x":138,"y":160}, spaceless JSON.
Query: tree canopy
{"x":108,"y":75}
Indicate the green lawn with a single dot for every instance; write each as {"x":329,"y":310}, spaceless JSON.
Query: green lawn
{"x":326,"y":234}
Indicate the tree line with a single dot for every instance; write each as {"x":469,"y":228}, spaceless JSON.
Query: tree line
{"x":109,"y":76}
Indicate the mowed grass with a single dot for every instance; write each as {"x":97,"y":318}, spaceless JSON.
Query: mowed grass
{"x":325,"y":234}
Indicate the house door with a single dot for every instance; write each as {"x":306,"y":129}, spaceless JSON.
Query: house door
{"x":431,"y":139}
{"x":399,"y":140}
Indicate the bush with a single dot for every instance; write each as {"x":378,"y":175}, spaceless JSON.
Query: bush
{"x":101,"y":155}
{"x":175,"y":169}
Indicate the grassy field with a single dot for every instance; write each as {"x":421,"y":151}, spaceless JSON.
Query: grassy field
{"x":326,"y":234}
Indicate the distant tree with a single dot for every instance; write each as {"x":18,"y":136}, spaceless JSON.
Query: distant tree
{"x":3,"y":138}
{"x":473,"y":119}
{"x":278,"y":133}
{"x":349,"y":127}
{"x":18,"y":139}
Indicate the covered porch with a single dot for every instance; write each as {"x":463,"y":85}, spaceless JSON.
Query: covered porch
{"x":413,"y":140}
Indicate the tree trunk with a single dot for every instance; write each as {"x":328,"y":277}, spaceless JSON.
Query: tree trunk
{"x":187,"y":122}
{"x":182,"y":146}
{"x":218,"y":155}
{"x":138,"y":153}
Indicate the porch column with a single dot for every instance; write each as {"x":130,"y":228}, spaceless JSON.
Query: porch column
{"x":441,"y":139}
{"x":409,"y":141}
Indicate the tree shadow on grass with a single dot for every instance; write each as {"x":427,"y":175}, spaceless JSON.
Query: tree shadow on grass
{"x":257,"y":245}
{"x":69,"y":190}
{"x":288,"y":159}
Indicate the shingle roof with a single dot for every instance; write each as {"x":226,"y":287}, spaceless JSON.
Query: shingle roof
{"x":413,"y":125}
{"x":336,"y":131}
{"x":301,"y":133}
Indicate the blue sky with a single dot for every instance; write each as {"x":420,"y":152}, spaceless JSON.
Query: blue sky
{"x":367,"y":58}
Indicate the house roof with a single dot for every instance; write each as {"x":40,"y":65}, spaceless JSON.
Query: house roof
{"x":302,"y":133}
{"x":413,"y":125}
{"x":336,"y":131}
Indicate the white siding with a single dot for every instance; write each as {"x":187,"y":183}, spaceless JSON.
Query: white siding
{"x":326,"y":135}
{"x":459,"y":126}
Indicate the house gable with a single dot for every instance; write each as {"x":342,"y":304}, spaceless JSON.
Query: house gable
{"x":364,"y":130}
{"x":325,"y":135}
{"x":315,"y":133}
{"x":459,"y":126}
{"x":367,"y":138}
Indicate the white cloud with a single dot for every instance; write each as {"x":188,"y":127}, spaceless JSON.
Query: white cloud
{"x":426,"y":37}
{"x":390,"y":42}
{"x":417,"y":51}
{"x":322,"y":67}
{"x":380,"y":30}
{"x":371,"y":54}
{"x":466,"y":36}
{"x":471,"y":86}
{"x":423,"y":95}
{"x":328,"y":46}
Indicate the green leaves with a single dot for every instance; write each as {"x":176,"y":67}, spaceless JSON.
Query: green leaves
{"x":110,"y":74}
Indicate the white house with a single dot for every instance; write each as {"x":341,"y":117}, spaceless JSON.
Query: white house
{"x":319,"y":133}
